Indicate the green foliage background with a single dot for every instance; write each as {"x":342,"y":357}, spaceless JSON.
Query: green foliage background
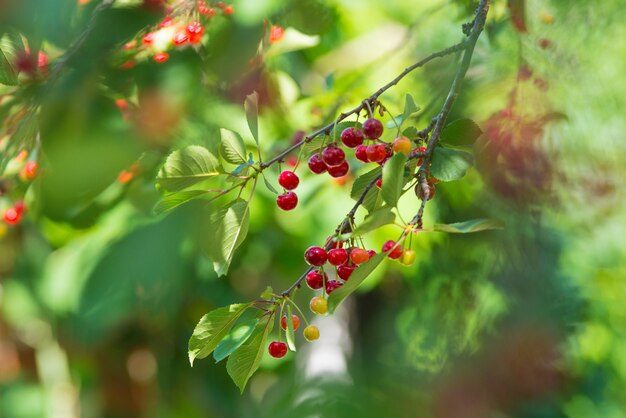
{"x":98,"y":295}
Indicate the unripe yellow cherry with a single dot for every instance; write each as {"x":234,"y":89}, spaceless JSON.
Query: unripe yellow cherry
{"x":311,"y":333}
{"x":319,"y":305}
{"x":408,"y":257}
{"x":403,"y":145}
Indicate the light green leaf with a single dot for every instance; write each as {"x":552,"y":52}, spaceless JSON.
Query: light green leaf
{"x":188,"y":166}
{"x":462,"y":132}
{"x":292,"y":40}
{"x":375,"y":220}
{"x":234,"y":339}
{"x":269,"y":185}
{"x":174,"y":200}
{"x":245,"y":360}
{"x":410,"y":132}
{"x":291,"y":338}
{"x":8,"y":76}
{"x":251,"y":106}
{"x":362,"y":181}
{"x":227,"y":229}
{"x":449,"y":164}
{"x":358,"y":276}
{"x":232,"y":148}
{"x":475,"y":225}
{"x":410,"y":108}
{"x":313,"y":146}
{"x":393,"y":179}
{"x":373,"y":200}
{"x":212,"y":328}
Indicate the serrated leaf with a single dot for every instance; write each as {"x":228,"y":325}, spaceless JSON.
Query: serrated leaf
{"x":245,"y":360}
{"x":462,"y":132}
{"x":393,"y":179}
{"x":227,"y":229}
{"x":212,"y":328}
{"x":450,"y":164}
{"x":289,"y":333}
{"x":410,"y":108}
{"x":232,"y":148}
{"x":251,"y":106}
{"x":188,"y":166}
{"x":358,"y":276}
{"x":174,"y":200}
{"x":8,"y":76}
{"x":269,"y":185}
{"x":375,"y":220}
{"x":292,"y":40}
{"x":475,"y":225}
{"x":238,"y":335}
{"x":362,"y":181}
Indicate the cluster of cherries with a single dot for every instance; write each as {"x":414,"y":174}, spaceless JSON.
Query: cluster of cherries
{"x":171,"y":32}
{"x":13,"y":214}
{"x":278,"y":349}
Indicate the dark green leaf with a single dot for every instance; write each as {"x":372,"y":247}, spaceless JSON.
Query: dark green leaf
{"x":410,"y":132}
{"x":188,"y":166}
{"x":375,"y":220}
{"x":358,"y":276}
{"x":462,"y":132}
{"x":174,"y":200}
{"x":234,"y":339}
{"x":232,"y":148}
{"x":8,"y":75}
{"x":475,"y":225}
{"x":449,"y":164}
{"x":252,"y":115}
{"x":212,"y":328}
{"x":245,"y":360}
{"x":393,"y":179}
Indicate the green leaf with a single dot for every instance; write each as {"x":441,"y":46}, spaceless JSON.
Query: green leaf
{"x":358,"y":276}
{"x":252,"y":115}
{"x":188,"y":166}
{"x":227,"y":229}
{"x":410,"y":132}
{"x":245,"y":360}
{"x":449,"y":164}
{"x":212,"y":328}
{"x":313,"y":146}
{"x":410,"y":108}
{"x":292,"y":40}
{"x":373,"y":200}
{"x":393,"y":179}
{"x":362,"y":181}
{"x":462,"y":132}
{"x":8,"y":76}
{"x":234,"y":339}
{"x":232,"y":148}
{"x":269,"y":185}
{"x":289,"y":333}
{"x":375,"y":220}
{"x":475,"y":225}
{"x":174,"y":200}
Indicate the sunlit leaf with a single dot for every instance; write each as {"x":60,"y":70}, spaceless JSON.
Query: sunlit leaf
{"x":375,"y":220}
{"x":292,"y":40}
{"x":174,"y":200}
{"x":232,"y":148}
{"x":8,"y":76}
{"x":245,"y":360}
{"x":475,"y":225}
{"x":226,"y":230}
{"x":358,"y":276}
{"x":238,"y":335}
{"x":251,"y":106}
{"x":188,"y":166}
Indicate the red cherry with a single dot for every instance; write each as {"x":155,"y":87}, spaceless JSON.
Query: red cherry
{"x":288,"y":180}
{"x":287,"y":201}
{"x":345,"y":271}
{"x":148,"y":38}
{"x":161,"y":57}
{"x":277,"y":349}
{"x":359,"y":256}
{"x":195,"y":31}
{"x":333,"y":156}
{"x":20,"y":207}
{"x":294,"y":319}
{"x":229,"y":10}
{"x":181,"y":38}
{"x":376,"y":152}
{"x":361,"y":153}
{"x":331,"y":285}
{"x":420,"y":149}
{"x":316,"y":164}
{"x":379,"y":183}
{"x":340,"y":170}
{"x":334,"y":243}
{"x":372,"y":128}
{"x":396,"y":253}
{"x":337,"y":256}
{"x":315,"y":279}
{"x":12,"y":216}
{"x":29,"y":171}
{"x":352,"y":137}
{"x":371,"y":253}
{"x":315,"y":256}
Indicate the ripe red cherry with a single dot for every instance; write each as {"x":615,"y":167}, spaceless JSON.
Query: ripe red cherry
{"x":29,"y":172}
{"x":352,"y":137}
{"x":340,"y":170}
{"x":337,"y":256}
{"x":287,"y":201}
{"x":12,"y":216}
{"x":315,"y":279}
{"x":181,"y":38}
{"x":294,"y":319}
{"x":334,"y":243}
{"x":373,"y":128}
{"x":195,"y":31}
{"x":359,"y":256}
{"x":345,"y":271}
{"x":148,"y":38}
{"x":331,"y":285}
{"x":333,"y":156}
{"x":379,"y":183}
{"x":371,"y":253}
{"x":376,"y":152}
{"x":420,"y":149}
{"x":277,"y":349}
{"x":161,"y":57}
{"x":288,"y":180}
{"x":361,"y":153}
{"x":396,"y":253}
{"x":316,"y":164}
{"x":315,"y":256}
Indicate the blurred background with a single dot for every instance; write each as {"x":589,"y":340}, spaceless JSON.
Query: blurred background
{"x":99,"y":296}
